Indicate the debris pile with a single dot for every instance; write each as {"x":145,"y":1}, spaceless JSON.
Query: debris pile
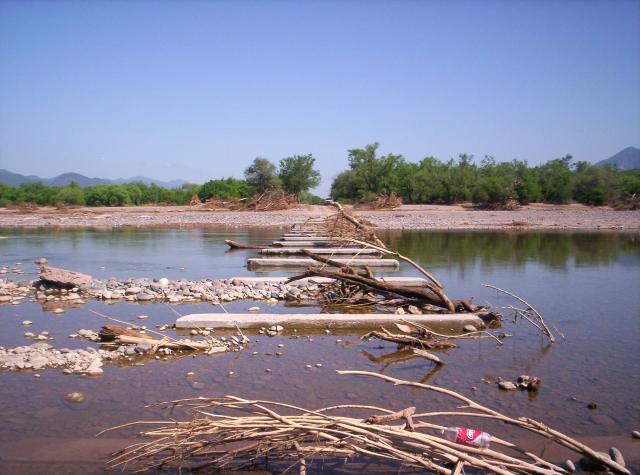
{"x":288,"y":435}
{"x":382,"y":201}
{"x":272,"y":200}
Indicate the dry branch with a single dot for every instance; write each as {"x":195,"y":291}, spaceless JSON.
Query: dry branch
{"x":545,"y":328}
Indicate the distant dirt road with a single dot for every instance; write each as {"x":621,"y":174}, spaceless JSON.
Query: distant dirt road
{"x":420,"y":217}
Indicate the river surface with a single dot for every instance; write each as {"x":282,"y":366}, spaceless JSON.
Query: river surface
{"x":587,"y":285}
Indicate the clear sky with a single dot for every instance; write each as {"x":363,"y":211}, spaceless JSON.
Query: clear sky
{"x":196,"y":90}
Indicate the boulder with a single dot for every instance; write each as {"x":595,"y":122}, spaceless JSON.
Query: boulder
{"x":64,"y":278}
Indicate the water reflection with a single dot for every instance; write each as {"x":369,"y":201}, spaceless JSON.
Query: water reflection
{"x":464,"y":249}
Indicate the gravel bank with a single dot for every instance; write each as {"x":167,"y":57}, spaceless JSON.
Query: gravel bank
{"x":419,"y":217}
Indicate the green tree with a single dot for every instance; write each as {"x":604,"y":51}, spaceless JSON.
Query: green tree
{"x":556,"y":180}
{"x":225,"y":188}
{"x":71,"y":194}
{"x":297,"y":173}
{"x":261,"y":174}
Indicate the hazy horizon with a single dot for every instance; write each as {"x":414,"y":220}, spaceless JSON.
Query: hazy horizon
{"x":196,"y":90}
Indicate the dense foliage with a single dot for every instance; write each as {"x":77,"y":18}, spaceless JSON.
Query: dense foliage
{"x":296,"y":175}
{"x":100,"y":195}
{"x":432,"y":181}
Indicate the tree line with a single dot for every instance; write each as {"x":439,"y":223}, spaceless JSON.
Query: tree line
{"x":486,"y":183}
{"x":296,"y":175}
{"x":430,"y":180}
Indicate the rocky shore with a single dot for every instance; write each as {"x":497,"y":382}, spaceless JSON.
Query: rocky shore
{"x":417,"y":217}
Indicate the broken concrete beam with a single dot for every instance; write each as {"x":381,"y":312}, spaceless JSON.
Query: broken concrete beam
{"x":64,"y":278}
{"x":401,"y":281}
{"x":304,"y":238}
{"x":306,"y":262}
{"x":323,"y":251}
{"x":308,"y":243}
{"x":325,"y":320}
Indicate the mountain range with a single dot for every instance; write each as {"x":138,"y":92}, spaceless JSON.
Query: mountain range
{"x":10,"y":178}
{"x":627,"y":159}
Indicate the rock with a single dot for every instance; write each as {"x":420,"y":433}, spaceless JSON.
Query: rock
{"x":143,"y":348}
{"x":589,"y":464}
{"x":58,"y":310}
{"x":635,"y":434}
{"x":132,"y":291}
{"x":507,"y":385}
{"x":276,"y":328}
{"x":469,"y":328}
{"x":400,"y":311}
{"x":197,"y":385}
{"x":272,"y":301}
{"x":163,"y":282}
{"x":254,"y":309}
{"x":142,"y":317}
{"x":75,"y":397}
{"x":569,"y":466}
{"x":42,"y":261}
{"x":530,"y":383}
{"x":414,"y":310}
{"x":26,"y":323}
{"x":107,"y":295}
{"x":616,"y":456}
{"x":29,"y":335}
{"x":64,"y":278}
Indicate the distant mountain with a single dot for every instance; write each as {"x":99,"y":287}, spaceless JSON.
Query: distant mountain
{"x":81,"y":180}
{"x":10,"y":178}
{"x":627,"y":159}
{"x":14,"y":179}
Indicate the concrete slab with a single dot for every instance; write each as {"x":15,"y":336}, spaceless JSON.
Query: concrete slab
{"x":306,"y":262}
{"x":324,"y":320}
{"x":403,"y":281}
{"x":322,"y":251}
{"x":305,"y":238}
{"x":307,"y":243}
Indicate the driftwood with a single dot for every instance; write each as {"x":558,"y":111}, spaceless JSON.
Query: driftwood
{"x":232,"y":433}
{"x":411,"y":295}
{"x":529,"y":308}
{"x":238,"y":245}
{"x":126,"y":336}
{"x":362,"y":228}
{"x":425,"y":343}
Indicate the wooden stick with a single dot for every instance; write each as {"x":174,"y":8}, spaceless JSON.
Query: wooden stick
{"x":546,"y":329}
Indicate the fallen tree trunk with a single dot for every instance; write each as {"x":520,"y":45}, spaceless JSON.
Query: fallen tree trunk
{"x":238,"y":245}
{"x":415,"y":295}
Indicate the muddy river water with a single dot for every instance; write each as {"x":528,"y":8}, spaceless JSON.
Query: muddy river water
{"x":587,"y":285}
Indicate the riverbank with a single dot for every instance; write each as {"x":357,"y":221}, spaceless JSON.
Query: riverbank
{"x":417,"y":217}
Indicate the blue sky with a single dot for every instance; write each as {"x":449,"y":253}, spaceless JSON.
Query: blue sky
{"x":196,"y":90}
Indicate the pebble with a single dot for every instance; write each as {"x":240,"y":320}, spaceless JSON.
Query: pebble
{"x":507,"y":385}
{"x":469,"y":328}
{"x":29,"y":335}
{"x":280,"y":345}
{"x":26,"y":322}
{"x":569,"y":465}
{"x":308,"y":366}
{"x":58,"y":310}
{"x":197,"y":385}
{"x":231,"y":373}
{"x":142,"y":317}
{"x":318,"y":365}
{"x":268,"y":370}
{"x":254,"y":309}
{"x":194,"y":332}
{"x":635,"y":434}
{"x":75,"y":397}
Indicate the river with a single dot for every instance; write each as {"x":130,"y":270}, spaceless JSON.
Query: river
{"x":587,"y":285}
